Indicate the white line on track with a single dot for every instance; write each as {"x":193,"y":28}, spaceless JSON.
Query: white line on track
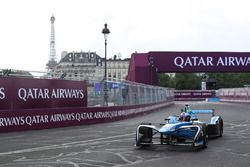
{"x":85,"y":142}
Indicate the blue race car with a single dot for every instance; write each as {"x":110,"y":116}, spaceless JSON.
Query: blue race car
{"x":183,"y":130}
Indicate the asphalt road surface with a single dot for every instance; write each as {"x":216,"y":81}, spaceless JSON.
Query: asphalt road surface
{"x":112,"y":144}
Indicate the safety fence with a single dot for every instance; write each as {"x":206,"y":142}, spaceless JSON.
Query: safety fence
{"x":127,"y":93}
{"x":235,"y":95}
{"x":119,"y":92}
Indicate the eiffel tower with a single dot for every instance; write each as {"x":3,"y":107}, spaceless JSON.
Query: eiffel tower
{"x":52,"y":54}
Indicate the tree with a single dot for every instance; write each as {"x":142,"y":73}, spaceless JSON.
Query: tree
{"x":187,"y":81}
{"x":230,"y":80}
{"x":166,"y":80}
{"x":192,"y":81}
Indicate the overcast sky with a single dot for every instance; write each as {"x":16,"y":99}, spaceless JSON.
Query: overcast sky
{"x":135,"y":25}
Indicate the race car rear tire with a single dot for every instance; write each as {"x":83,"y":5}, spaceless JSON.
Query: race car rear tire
{"x":138,"y":141}
{"x":204,"y":138}
{"x":221,"y":128}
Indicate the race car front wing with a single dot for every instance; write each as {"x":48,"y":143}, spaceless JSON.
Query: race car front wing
{"x":147,"y":134}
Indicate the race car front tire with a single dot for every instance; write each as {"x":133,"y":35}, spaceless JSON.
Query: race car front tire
{"x":145,"y":135}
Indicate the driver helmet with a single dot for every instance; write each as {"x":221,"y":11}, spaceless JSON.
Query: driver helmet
{"x":185,"y":117}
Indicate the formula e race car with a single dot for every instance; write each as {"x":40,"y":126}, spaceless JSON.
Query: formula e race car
{"x":183,"y":130}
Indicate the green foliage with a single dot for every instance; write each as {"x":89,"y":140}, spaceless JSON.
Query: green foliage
{"x":181,"y":81}
{"x":187,"y":81}
{"x":192,"y":81}
{"x":230,"y":80}
{"x":166,"y":80}
{"x":15,"y":73}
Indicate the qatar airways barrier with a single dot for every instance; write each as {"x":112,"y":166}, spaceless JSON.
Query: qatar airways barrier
{"x":21,"y":120}
{"x":201,"y":61}
{"x":25,"y":93}
{"x":193,"y":95}
{"x":29,"y":104}
{"x":167,"y":62}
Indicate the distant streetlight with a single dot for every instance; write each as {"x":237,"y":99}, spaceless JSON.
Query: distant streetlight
{"x":105,"y":31}
{"x":151,"y":63}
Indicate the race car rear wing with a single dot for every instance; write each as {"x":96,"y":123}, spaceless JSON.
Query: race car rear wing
{"x":193,"y":112}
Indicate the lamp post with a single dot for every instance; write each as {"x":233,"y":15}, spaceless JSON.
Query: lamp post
{"x":151,"y":63}
{"x":105,"y":32}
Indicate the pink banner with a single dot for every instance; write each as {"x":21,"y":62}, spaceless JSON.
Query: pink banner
{"x":24,"y":93}
{"x":5,"y":93}
{"x":201,"y":61}
{"x":193,"y":94}
{"x":21,"y":120}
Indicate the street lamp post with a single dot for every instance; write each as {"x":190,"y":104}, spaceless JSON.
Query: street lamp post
{"x":105,"y":32}
{"x":151,"y":63}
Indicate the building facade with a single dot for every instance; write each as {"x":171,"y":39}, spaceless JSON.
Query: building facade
{"x":117,"y":69}
{"x":90,"y":66}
